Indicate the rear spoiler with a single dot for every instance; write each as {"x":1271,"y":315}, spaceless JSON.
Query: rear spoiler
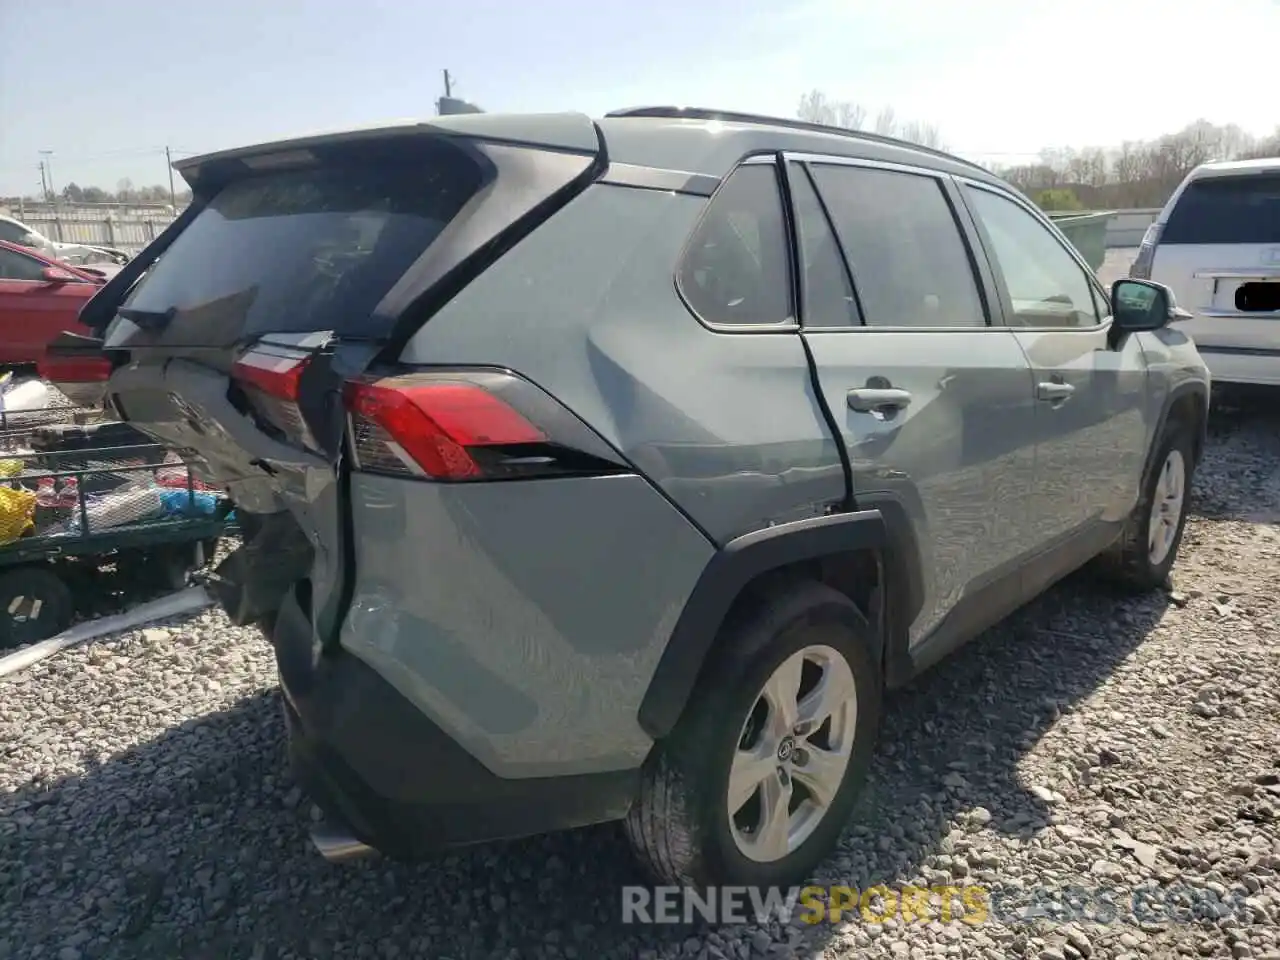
{"x":546,"y":158}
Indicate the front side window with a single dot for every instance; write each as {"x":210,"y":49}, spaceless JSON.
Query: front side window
{"x":735,"y":268}
{"x":909,"y":261}
{"x":14,"y":266}
{"x":1044,"y":283}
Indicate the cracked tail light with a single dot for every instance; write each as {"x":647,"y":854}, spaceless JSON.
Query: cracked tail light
{"x":271,"y":381}
{"x":467,"y":427}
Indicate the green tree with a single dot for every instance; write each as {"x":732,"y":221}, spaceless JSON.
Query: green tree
{"x":1059,"y":198}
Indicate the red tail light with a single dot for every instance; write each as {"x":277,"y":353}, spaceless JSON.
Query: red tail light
{"x":432,"y":428}
{"x":270,"y":380}
{"x":276,"y":375}
{"x":468,"y":426}
{"x":1141,"y":267}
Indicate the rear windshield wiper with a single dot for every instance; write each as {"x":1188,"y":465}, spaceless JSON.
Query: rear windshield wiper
{"x":149,"y":319}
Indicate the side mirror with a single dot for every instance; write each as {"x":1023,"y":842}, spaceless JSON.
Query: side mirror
{"x":1144,"y":305}
{"x":31,"y":240}
{"x":58,"y":275}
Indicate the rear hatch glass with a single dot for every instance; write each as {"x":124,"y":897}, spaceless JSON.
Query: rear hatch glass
{"x":309,"y":249}
{"x":1244,"y":209}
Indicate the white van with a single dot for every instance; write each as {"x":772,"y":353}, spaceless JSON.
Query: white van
{"x":1216,"y":244}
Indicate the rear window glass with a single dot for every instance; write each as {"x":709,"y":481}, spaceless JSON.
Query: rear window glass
{"x":735,"y":268}
{"x":1226,"y":210}
{"x":303,"y":250}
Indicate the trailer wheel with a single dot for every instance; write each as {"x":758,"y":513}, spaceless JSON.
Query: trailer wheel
{"x":34,"y":605}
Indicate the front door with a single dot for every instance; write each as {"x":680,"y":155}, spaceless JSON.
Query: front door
{"x":33,"y":311}
{"x":933,"y":402}
{"x":1090,"y":389}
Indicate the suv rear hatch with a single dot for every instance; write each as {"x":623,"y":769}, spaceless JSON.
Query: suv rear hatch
{"x":237,"y":336}
{"x":1219,"y":251}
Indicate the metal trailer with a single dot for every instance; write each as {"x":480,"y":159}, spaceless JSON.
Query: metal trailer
{"x":79,"y":504}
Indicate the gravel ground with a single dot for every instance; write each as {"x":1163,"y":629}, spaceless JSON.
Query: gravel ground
{"x":1094,"y":741}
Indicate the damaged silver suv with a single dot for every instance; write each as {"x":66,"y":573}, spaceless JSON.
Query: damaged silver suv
{"x":612,"y":469}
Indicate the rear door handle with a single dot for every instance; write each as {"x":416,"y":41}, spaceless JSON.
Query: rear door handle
{"x":872,"y":399}
{"x":1053,"y":391}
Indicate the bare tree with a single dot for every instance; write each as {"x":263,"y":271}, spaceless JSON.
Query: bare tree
{"x":851,"y":116}
{"x":1266,"y":147}
{"x":1138,"y":173}
{"x":925,"y":134}
{"x":816,"y":107}
{"x":887,"y":122}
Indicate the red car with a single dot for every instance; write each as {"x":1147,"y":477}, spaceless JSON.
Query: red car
{"x":39,"y":299}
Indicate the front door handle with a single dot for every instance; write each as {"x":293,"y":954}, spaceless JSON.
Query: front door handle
{"x":1054,"y":391}
{"x":878,"y":399}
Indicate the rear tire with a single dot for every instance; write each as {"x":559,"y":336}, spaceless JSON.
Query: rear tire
{"x":804,"y":641}
{"x":1147,"y":549}
{"x":34,"y":605}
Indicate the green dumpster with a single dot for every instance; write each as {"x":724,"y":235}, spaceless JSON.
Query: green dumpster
{"x":1087,"y":233}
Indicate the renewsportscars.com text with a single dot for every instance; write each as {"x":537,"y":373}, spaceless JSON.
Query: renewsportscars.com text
{"x":971,"y":904}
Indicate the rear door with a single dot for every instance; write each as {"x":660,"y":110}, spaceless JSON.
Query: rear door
{"x":934,"y":403}
{"x":1091,"y":388}
{"x":242,"y":334}
{"x":32,"y":310}
{"x":1219,"y":251}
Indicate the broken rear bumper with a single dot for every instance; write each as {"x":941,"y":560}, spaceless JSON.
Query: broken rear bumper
{"x":394,"y":780}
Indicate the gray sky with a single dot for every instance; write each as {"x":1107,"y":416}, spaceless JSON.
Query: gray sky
{"x":106,"y":84}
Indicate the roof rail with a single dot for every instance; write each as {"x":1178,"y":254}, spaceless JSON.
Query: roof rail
{"x":732,"y":116}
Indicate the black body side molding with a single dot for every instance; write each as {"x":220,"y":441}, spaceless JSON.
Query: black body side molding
{"x":735,"y":565}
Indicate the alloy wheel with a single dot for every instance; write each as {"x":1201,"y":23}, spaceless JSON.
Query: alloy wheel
{"x":793,"y":753}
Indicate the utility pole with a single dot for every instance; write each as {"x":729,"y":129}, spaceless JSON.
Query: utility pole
{"x":44,"y":184}
{"x":48,"y":166}
{"x":448,"y":106}
{"x":173,"y":200}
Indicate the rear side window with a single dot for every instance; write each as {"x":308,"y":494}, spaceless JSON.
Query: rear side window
{"x":307,"y":249}
{"x":1226,"y":210}
{"x":909,"y":261}
{"x":735,"y":267}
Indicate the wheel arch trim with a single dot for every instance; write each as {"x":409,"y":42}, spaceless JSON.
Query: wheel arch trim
{"x":730,"y":570}
{"x":1194,"y":389}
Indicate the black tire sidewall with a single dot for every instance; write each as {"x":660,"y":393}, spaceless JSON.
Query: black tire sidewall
{"x":817,"y":616}
{"x":57,"y":606}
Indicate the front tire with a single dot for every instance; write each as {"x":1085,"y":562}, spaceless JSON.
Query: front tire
{"x":756,"y":782}
{"x":1148,"y":548}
